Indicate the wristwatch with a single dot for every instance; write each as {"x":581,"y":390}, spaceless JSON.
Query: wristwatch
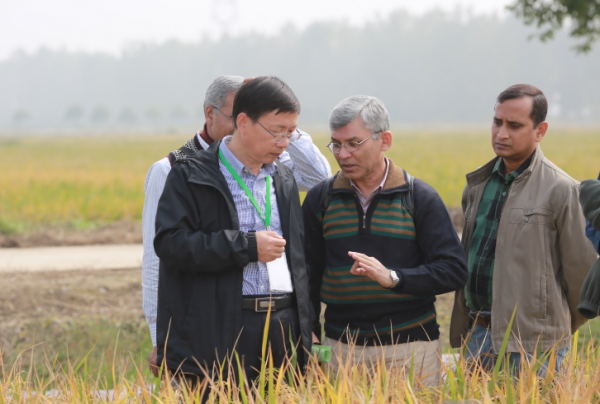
{"x":395,"y":279}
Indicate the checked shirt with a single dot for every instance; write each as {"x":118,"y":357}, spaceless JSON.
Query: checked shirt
{"x":482,"y":250}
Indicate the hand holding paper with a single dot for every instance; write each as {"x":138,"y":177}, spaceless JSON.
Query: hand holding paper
{"x":270,"y":245}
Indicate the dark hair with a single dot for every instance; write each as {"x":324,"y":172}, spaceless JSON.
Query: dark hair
{"x":262,"y":95}
{"x":540,"y":103}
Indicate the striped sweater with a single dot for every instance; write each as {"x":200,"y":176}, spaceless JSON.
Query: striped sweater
{"x":425,"y":252}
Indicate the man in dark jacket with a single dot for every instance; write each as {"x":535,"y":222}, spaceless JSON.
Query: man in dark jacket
{"x":377,"y":256}
{"x":230,"y":242}
{"x":589,"y":298}
{"x":592,"y":233}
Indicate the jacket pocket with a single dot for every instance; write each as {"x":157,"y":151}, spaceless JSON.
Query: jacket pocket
{"x":537,"y":215}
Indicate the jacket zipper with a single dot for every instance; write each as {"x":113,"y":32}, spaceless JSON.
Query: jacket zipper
{"x":507,"y":196}
{"x":364,"y":220}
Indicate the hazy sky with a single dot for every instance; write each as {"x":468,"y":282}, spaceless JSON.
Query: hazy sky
{"x":109,"y":25}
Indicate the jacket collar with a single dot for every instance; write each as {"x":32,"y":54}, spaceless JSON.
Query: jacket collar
{"x":396,"y":181}
{"x":484,"y":172}
{"x":204,"y":169}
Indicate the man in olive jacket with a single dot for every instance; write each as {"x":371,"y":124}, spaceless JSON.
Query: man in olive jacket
{"x":226,"y":216}
{"x":524,"y":237}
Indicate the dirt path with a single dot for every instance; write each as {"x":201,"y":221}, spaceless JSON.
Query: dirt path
{"x":86,"y":258}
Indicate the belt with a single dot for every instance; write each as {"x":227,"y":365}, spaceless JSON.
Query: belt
{"x":484,"y":322}
{"x":261,"y":304}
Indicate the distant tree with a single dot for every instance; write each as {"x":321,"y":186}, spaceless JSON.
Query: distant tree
{"x":21,"y":115}
{"x":100,"y":114}
{"x":74,"y":113}
{"x":127,"y":115}
{"x":551,"y":15}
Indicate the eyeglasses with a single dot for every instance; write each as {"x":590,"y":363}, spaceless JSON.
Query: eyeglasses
{"x":280,"y":137}
{"x":350,"y":147}
{"x":221,"y":112}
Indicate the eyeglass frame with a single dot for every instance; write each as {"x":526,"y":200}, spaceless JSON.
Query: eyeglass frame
{"x":284,"y":135}
{"x":345,"y":145}
{"x":221,"y":112}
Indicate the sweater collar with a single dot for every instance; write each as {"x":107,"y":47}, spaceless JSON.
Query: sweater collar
{"x":395,"y":181}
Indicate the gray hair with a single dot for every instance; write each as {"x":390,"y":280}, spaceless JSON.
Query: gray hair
{"x":218,"y":90}
{"x":370,"y":109}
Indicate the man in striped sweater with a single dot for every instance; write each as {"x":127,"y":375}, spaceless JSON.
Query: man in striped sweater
{"x":379,"y":247}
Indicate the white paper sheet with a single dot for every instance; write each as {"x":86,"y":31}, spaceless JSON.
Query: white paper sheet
{"x":280,"y":280}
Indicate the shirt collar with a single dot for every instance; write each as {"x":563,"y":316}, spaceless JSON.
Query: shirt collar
{"x":204,"y":138}
{"x":238,"y":166}
{"x":380,"y":187}
{"x":499,"y":168}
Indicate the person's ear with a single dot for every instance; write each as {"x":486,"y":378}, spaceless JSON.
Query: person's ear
{"x":386,"y":140}
{"x":242,"y":122}
{"x":541,"y":131}
{"x":209,"y":115}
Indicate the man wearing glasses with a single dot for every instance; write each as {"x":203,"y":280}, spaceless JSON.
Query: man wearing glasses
{"x":230,"y":241}
{"x":380,"y":246}
{"x":302,"y":157}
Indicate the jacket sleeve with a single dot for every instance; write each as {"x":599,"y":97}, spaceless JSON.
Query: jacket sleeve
{"x":314,"y":248}
{"x":309,"y":165}
{"x":589,"y":198}
{"x":180,"y":243}
{"x":155,"y":182}
{"x":589,"y":298}
{"x":445,"y":269}
{"x":576,"y":252}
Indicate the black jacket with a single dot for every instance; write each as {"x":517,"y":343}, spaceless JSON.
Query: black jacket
{"x":202,"y":255}
{"x":589,"y":298}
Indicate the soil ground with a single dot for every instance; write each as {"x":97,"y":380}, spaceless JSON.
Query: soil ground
{"x":121,"y":232}
{"x":76,"y":308}
{"x":79,"y":309}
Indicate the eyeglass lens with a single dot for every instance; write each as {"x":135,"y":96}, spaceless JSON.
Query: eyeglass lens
{"x":280,"y":137}
{"x":350,"y":147}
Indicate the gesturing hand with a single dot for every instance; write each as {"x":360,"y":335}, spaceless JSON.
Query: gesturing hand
{"x":270,"y":245}
{"x":371,"y":267}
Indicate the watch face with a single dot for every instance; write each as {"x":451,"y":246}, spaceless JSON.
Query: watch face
{"x":395,"y":278}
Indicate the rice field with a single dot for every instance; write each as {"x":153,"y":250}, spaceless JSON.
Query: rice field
{"x":118,"y":378}
{"x":84,"y":181}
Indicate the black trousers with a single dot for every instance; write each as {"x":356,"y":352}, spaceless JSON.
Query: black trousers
{"x":283,"y":327}
{"x":283,"y":337}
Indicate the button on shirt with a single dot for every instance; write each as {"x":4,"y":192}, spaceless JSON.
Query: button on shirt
{"x":482,"y":251}
{"x":256,"y":277}
{"x":365,"y":201}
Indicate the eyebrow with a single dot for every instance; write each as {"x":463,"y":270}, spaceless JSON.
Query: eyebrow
{"x":279,"y":127}
{"x":352,"y":139}
{"x":510,"y":122}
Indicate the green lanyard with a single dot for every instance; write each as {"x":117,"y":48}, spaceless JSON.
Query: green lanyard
{"x":265,"y":217}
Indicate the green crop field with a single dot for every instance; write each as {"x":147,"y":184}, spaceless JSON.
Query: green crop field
{"x":88,"y":180}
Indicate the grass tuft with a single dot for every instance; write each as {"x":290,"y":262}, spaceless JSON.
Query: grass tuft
{"x":97,"y":381}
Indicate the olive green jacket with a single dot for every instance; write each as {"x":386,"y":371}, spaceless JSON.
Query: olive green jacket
{"x":542,"y":258}
{"x":589,"y":304}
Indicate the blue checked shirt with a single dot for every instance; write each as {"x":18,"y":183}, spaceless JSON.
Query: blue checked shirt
{"x":256,"y":277}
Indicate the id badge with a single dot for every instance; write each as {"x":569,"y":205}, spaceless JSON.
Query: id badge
{"x":280,"y":280}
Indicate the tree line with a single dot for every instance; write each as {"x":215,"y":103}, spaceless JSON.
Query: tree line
{"x":440,"y":68}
